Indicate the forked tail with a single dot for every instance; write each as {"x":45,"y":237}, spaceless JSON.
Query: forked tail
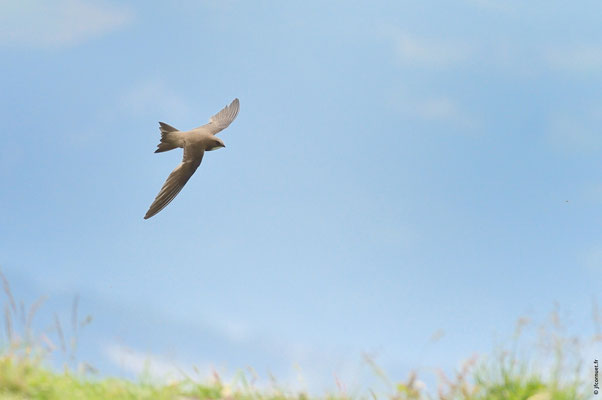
{"x":169,"y":138}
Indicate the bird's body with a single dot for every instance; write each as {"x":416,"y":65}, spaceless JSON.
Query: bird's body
{"x":194,"y":142}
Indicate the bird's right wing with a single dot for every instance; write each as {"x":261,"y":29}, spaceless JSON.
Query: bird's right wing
{"x":224,"y":118}
{"x":175,"y":181}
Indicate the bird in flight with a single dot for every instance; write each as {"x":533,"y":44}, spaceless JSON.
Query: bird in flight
{"x":195,"y":143}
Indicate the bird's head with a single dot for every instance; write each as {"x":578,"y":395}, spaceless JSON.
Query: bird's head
{"x":215,"y":143}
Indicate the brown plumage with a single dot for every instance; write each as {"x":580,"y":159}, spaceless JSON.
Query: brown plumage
{"x":194,"y":142}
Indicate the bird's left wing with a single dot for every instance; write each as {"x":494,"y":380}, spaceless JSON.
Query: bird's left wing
{"x":176,"y":181}
{"x":224,"y":118}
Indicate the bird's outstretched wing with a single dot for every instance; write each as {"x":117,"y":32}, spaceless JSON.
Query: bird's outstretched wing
{"x":224,"y":118}
{"x":176,"y":181}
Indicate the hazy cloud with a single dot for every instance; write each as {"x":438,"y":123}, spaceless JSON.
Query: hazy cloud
{"x":155,"y":97}
{"x":235,"y":331}
{"x":578,"y":132}
{"x":578,"y":58}
{"x":592,"y":258}
{"x":437,"y":109}
{"x":60,"y":23}
{"x":417,"y":51}
{"x":137,"y":363}
{"x":592,"y":193}
{"x":499,"y":53}
{"x":440,"y":108}
{"x":444,"y":109}
{"x":494,"y":5}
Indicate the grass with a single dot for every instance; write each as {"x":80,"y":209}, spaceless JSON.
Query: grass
{"x":24,"y":379}
{"x":27,"y":378}
{"x":546,"y":365}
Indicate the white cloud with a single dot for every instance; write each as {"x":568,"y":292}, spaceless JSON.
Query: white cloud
{"x":235,"y":331}
{"x":416,"y":51}
{"x":592,"y":193}
{"x":592,"y":258}
{"x":441,"y":108}
{"x":150,"y":98}
{"x":503,"y":53}
{"x":438,"y":109}
{"x":60,"y":23}
{"x":163,"y":369}
{"x":494,"y":5}
{"x":138,"y":363}
{"x":576,"y":133}
{"x":155,"y":97}
{"x":578,"y":58}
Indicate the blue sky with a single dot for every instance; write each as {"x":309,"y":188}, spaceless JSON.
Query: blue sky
{"x":397,"y":168}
